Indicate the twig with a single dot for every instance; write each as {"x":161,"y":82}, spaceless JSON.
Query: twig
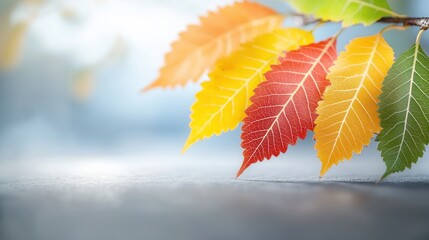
{"x":422,"y":22}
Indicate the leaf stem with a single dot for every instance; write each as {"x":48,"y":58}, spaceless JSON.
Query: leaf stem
{"x":396,"y":27}
{"x":317,"y":25}
{"x":419,"y":36}
{"x":339,"y":32}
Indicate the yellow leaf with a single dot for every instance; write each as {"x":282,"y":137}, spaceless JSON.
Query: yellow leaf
{"x":218,"y":35}
{"x":348,"y":115}
{"x":221,"y":103}
{"x":11,"y":45}
{"x":83,"y":84}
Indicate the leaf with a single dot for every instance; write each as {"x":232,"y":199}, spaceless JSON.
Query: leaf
{"x":404,"y":111}
{"x":218,"y":35}
{"x":11,"y":45}
{"x":348,"y":116}
{"x":283,"y":107}
{"x":349,"y":11}
{"x":83,"y":83}
{"x":13,"y":34}
{"x":221,"y":103}
{"x":85,"y":79}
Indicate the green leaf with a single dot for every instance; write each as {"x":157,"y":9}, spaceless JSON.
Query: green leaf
{"x":349,"y":11}
{"x":404,"y":111}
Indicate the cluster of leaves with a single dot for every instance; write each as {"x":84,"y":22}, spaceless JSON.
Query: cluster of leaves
{"x":281,"y":84}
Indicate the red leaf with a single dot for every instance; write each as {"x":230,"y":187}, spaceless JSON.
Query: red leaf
{"x":284,"y":106}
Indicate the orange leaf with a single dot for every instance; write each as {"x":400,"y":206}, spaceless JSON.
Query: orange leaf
{"x":219,"y":34}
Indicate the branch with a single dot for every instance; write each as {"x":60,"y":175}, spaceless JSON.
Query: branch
{"x":422,"y":22}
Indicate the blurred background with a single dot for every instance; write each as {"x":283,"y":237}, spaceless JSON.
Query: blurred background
{"x":74,"y":124}
{"x":72,"y":73}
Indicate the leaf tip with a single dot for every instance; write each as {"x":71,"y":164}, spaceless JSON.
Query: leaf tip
{"x":387,"y":173}
{"x":185,"y":148}
{"x":149,"y":87}
{"x":242,"y":169}
{"x":325,"y":168}
{"x":188,"y":143}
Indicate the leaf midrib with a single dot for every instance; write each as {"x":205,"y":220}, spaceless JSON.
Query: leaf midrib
{"x":375,"y":7}
{"x":245,"y":85}
{"x":408,"y":104}
{"x":316,"y":62}
{"x":358,"y":89}
{"x":226,"y":35}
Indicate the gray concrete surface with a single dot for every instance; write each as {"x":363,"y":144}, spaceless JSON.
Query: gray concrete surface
{"x":107,"y":199}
